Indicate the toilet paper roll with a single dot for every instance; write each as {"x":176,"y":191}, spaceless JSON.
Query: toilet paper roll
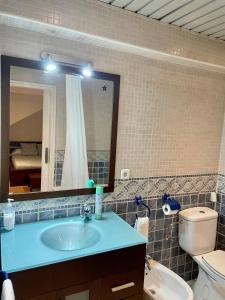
{"x":168,"y":211}
{"x":213,"y":197}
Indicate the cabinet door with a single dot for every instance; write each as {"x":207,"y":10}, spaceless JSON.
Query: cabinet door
{"x":84,"y":295}
{"x":89,"y":291}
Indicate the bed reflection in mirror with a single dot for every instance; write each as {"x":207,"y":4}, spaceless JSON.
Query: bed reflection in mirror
{"x":60,"y":130}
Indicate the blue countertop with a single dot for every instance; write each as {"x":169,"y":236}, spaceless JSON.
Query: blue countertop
{"x":22,"y":248}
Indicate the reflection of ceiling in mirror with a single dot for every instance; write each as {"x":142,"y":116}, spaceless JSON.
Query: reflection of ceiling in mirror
{"x":25,"y":91}
{"x":26,"y":113}
{"x":24,"y":105}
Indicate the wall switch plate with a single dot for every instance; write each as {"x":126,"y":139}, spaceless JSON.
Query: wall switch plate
{"x":125,"y":174}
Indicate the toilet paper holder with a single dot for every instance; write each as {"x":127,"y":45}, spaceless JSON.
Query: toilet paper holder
{"x":139,"y":201}
{"x":173,"y":204}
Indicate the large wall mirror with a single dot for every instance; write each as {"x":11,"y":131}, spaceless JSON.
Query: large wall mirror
{"x":58,"y":130}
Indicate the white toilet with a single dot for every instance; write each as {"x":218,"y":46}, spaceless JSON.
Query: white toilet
{"x":197,"y":236}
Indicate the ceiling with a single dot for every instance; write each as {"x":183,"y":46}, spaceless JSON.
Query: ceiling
{"x":206,"y":17}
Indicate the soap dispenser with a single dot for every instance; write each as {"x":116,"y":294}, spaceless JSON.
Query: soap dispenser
{"x":9,"y":215}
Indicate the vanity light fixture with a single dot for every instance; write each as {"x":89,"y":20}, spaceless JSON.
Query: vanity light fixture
{"x":51,"y":61}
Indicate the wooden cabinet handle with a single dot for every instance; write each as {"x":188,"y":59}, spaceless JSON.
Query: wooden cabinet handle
{"x":122,"y":287}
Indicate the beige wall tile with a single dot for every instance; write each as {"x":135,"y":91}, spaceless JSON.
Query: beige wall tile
{"x":170,"y":117}
{"x":96,"y":18}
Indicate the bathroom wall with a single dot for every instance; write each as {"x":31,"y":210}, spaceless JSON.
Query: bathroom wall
{"x":170,"y":116}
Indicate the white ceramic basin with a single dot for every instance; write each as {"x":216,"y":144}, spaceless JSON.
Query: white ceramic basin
{"x":163,"y":284}
{"x":70,"y":236}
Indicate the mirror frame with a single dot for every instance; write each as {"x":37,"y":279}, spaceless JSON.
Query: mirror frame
{"x":6,"y":63}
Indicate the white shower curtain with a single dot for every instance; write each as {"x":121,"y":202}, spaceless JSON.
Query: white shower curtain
{"x":75,"y":166}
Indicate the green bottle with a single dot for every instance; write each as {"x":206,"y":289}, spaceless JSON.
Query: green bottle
{"x":98,"y":202}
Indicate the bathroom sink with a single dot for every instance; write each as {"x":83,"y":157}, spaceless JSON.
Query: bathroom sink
{"x":70,"y":236}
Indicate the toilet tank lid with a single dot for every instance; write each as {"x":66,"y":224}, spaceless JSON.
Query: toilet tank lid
{"x":196,"y":214}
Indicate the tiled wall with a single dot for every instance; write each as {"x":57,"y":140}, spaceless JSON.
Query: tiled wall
{"x":220,"y":207}
{"x":58,"y":167}
{"x":170,"y":117}
{"x":115,"y":24}
{"x":99,"y":171}
{"x":221,"y":222}
{"x":98,"y":166}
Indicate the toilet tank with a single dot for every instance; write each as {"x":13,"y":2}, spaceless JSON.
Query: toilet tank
{"x":197,"y":230}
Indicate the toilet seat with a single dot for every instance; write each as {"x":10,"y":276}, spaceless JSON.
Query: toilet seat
{"x":215,"y":262}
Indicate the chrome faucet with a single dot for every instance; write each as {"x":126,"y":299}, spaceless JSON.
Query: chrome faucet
{"x":85,"y":212}
{"x":147,"y":263}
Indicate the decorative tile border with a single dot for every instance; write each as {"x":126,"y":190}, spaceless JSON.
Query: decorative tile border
{"x":98,"y":155}
{"x":92,"y":155}
{"x":128,"y":189}
{"x":156,"y":186}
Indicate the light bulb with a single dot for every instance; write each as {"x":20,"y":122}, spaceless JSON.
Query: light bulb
{"x":87,"y":71}
{"x":50,"y":64}
{"x":50,"y":67}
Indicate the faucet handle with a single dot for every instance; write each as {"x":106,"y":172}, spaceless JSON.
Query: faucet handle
{"x":85,"y":210}
{"x":147,"y":257}
{"x":147,"y":262}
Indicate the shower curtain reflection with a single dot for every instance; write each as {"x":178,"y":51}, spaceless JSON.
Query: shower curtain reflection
{"x":75,"y":166}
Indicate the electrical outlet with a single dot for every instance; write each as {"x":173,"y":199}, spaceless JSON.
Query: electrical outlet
{"x":125,"y":174}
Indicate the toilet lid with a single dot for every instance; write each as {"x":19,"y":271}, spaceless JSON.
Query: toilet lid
{"x":215,"y":260}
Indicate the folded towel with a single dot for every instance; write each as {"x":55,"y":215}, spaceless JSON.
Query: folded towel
{"x":7,"y":290}
{"x":142,"y":226}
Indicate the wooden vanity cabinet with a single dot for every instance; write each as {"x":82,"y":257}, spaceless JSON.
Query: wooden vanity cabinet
{"x":49,"y":296}
{"x":113,"y":275}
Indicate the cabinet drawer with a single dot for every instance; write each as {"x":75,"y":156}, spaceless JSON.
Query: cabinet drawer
{"x":122,"y":285}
